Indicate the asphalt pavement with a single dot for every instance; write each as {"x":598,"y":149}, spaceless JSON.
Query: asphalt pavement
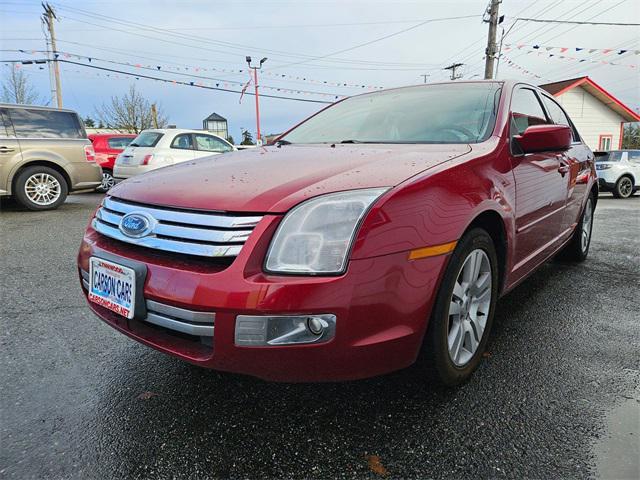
{"x":556,"y":395}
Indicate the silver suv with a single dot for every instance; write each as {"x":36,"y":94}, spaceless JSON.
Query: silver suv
{"x":44,"y":154}
{"x":619,"y":172}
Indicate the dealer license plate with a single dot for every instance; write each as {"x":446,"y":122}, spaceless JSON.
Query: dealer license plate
{"x":112,"y":286}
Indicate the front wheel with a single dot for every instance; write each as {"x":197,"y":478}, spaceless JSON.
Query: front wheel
{"x":623,"y":187}
{"x":463,"y":313}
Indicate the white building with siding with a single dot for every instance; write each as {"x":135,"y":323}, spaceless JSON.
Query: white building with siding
{"x":598,"y":115}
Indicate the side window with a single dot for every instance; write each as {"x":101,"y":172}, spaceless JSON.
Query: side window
{"x":634,"y":156}
{"x":183,"y":141}
{"x":558,"y":116}
{"x":119,"y":142}
{"x":35,"y":123}
{"x":6,"y":130}
{"x":210,"y":143}
{"x":525,"y":111}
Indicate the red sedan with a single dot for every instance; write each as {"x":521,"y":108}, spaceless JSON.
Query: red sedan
{"x":107,"y":147}
{"x":380,"y":231}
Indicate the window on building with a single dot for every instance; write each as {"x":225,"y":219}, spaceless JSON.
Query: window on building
{"x":604,"y":143}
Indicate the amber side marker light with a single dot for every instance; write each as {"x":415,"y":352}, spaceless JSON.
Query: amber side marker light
{"x":432,"y":251}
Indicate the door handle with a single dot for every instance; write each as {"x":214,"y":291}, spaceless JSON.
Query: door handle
{"x":6,"y":149}
{"x":564,"y":166}
{"x":563,"y":169}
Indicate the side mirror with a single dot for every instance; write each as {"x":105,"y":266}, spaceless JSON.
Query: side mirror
{"x":545,"y":138}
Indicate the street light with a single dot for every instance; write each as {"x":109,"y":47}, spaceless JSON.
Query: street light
{"x":255,"y":83}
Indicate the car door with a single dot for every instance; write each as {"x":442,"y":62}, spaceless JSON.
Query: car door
{"x":10,"y":153}
{"x":574,"y":164}
{"x":541,"y":187}
{"x":182,"y":148}
{"x":210,"y":145}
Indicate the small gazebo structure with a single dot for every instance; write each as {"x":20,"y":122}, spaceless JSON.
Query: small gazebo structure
{"x":217,"y":125}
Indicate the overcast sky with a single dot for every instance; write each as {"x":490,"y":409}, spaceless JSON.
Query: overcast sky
{"x":311,"y":42}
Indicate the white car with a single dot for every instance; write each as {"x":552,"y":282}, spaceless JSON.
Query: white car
{"x":157,"y":148}
{"x":619,"y":172}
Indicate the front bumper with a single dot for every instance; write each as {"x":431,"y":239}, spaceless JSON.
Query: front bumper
{"x":604,"y":185}
{"x":381,"y":306}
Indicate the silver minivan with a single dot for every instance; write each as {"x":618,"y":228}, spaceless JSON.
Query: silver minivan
{"x":44,"y":155}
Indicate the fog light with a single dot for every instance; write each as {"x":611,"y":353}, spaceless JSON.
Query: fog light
{"x":258,"y":330}
{"x":315,"y":325}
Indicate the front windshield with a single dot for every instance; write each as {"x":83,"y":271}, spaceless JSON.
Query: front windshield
{"x":448,"y":113}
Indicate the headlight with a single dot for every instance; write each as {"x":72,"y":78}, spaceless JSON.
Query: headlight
{"x":603,"y":167}
{"x":315,"y":237}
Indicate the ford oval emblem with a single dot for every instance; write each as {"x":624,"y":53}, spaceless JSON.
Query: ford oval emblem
{"x":136,"y":224}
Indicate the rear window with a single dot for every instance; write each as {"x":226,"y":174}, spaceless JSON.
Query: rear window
{"x":609,"y":157}
{"x":146,"y":139}
{"x":33,"y":123}
{"x":119,"y":142}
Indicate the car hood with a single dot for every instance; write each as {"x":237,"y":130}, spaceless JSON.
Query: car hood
{"x":274,"y":179}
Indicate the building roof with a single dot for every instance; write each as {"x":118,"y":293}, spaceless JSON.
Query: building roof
{"x":558,"y":88}
{"x":214,"y":116}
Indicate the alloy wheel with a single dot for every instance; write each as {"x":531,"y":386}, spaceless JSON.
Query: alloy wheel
{"x":107,"y":181}
{"x":42,"y":189}
{"x":625,"y":187}
{"x":587,"y":219}
{"x":469,"y":307}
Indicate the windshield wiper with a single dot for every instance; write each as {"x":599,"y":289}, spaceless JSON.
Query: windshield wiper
{"x":279,"y":143}
{"x":134,"y":145}
{"x":351,"y":141}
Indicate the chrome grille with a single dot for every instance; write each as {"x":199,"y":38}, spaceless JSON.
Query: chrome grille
{"x":191,"y":233}
{"x":200,"y":324}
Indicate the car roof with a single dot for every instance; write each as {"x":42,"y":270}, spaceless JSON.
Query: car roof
{"x":176,"y":130}
{"x":36,"y":107}
{"x":108,"y":135}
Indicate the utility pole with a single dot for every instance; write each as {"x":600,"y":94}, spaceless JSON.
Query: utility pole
{"x":490,"y":52}
{"x":154,"y":115}
{"x":48,"y":18}
{"x":453,"y":67}
{"x":255,"y":83}
{"x":424,"y":76}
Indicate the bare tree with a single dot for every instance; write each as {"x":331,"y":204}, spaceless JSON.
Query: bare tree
{"x":17,"y":89}
{"x":131,"y":113}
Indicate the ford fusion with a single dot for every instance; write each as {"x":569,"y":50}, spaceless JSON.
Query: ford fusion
{"x":377,"y":233}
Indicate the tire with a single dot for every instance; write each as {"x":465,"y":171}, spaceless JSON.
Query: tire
{"x":447,"y":364}
{"x":578,"y":247}
{"x":40,"y":188}
{"x":107,"y":181}
{"x":624,"y":187}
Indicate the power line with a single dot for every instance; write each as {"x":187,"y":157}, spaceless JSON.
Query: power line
{"x":165,"y":80}
{"x":228,"y":45}
{"x":575,"y":22}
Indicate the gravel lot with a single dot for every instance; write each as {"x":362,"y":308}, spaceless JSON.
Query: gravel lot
{"x":556,"y":396}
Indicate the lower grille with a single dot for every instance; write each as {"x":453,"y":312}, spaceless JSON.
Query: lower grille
{"x":203,"y":234}
{"x":199,"y":324}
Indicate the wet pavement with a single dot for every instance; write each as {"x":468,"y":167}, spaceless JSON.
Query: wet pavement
{"x":556,"y":395}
